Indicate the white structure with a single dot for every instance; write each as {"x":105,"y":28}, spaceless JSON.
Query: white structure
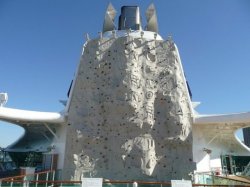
{"x":129,"y":114}
{"x":215,"y":135}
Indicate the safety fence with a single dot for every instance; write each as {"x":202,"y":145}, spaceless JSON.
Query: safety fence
{"x":218,"y":180}
{"x":15,"y":183}
{"x":52,"y":178}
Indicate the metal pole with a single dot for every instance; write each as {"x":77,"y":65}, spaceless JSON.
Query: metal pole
{"x":135,"y":184}
{"x":37,"y":177}
{"x":47,"y":178}
{"x":24,"y":181}
{"x":11,"y":183}
{"x":53,"y":177}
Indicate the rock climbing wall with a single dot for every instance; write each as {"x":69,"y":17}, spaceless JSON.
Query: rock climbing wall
{"x":129,"y":117}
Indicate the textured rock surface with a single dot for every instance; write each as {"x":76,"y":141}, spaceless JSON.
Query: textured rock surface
{"x":129,"y":116}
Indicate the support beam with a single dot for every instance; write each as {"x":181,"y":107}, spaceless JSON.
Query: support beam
{"x":51,"y":131}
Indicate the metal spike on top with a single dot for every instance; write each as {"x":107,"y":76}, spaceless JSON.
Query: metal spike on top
{"x":114,"y":33}
{"x":152,"y":24}
{"x":142,"y":33}
{"x":87,"y":37}
{"x":155,"y":36}
{"x":108,"y":24}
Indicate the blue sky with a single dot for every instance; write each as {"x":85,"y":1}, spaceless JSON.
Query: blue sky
{"x":41,"y":43}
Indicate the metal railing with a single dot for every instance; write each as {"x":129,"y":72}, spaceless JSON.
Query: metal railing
{"x":49,"y":175}
{"x":22,"y":183}
{"x":53,"y":178}
{"x":219,"y":180}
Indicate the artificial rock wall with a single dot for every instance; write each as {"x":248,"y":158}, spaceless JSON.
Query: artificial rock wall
{"x":129,"y":117}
